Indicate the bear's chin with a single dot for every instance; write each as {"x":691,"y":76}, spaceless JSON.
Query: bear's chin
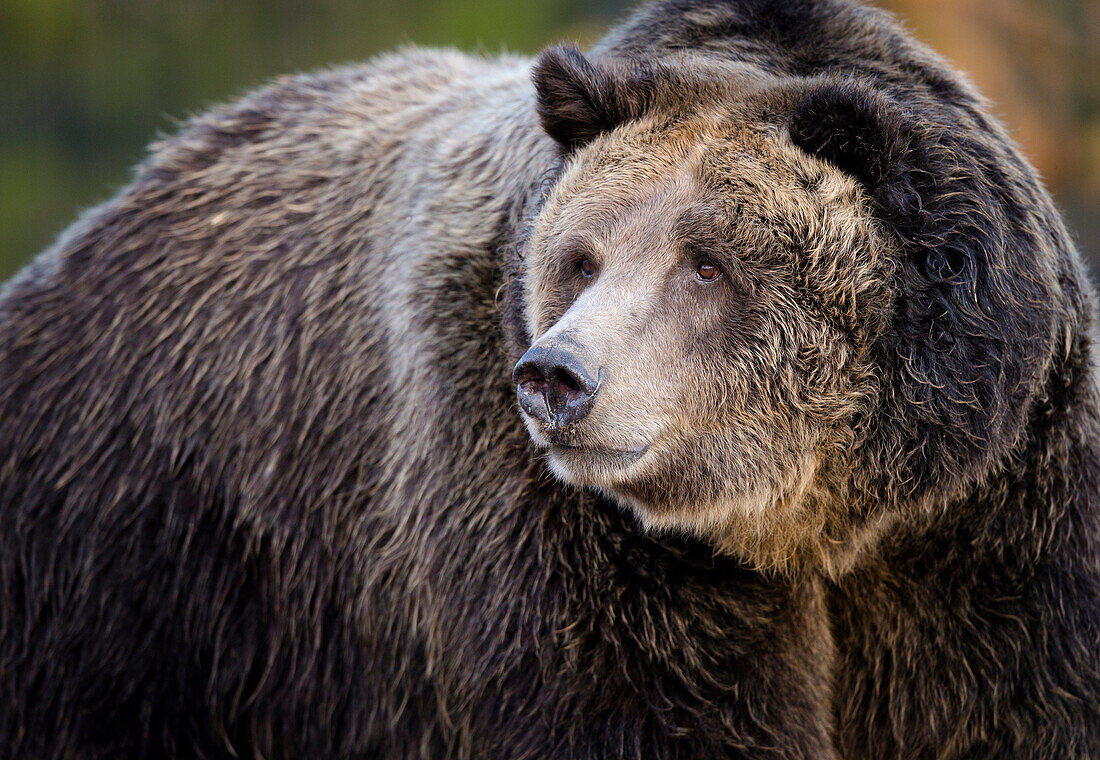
{"x":592,"y":465}
{"x":767,"y":525}
{"x":739,"y":527}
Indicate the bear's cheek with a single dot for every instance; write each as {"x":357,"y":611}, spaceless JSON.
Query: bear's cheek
{"x":735,"y":490}
{"x":705,"y":484}
{"x":739,"y":436}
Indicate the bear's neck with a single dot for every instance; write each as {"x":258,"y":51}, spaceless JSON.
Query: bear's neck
{"x":944,"y":625}
{"x":1041,"y":505}
{"x":1045,"y":503}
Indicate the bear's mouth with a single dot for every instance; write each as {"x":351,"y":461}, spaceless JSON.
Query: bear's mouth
{"x":576,"y":459}
{"x":567,"y":451}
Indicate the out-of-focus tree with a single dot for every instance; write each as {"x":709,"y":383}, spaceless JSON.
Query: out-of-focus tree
{"x":86,"y":84}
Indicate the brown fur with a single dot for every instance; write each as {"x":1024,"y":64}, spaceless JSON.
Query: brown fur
{"x":744,"y":390}
{"x":948,"y":398}
{"x":265,"y":493}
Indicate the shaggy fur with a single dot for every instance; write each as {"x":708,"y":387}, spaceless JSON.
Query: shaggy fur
{"x":966,"y":613}
{"x":264,"y":491}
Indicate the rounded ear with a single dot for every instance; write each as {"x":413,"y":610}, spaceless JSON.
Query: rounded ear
{"x":862,"y":133}
{"x":579,"y":99}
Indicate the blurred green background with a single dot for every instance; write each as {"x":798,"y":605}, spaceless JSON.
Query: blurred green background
{"x":86,"y":84}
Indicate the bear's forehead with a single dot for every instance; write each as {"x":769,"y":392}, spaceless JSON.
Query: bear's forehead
{"x":712,"y":178}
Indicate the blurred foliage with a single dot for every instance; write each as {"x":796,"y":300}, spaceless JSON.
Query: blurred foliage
{"x":86,"y":84}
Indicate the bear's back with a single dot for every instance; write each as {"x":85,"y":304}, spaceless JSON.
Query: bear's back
{"x":204,"y":409}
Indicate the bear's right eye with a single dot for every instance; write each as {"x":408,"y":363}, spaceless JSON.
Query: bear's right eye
{"x":708,"y":272}
{"x":587,"y":268}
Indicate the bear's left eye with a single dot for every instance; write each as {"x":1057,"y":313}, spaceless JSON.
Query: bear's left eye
{"x":708,"y":272}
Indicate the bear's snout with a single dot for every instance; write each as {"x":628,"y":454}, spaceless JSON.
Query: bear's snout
{"x":554,"y":386}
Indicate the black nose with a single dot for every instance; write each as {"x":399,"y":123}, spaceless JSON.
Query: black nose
{"x":554,"y":386}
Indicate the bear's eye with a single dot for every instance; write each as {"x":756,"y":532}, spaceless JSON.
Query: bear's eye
{"x":708,"y":272}
{"x":587,"y":268}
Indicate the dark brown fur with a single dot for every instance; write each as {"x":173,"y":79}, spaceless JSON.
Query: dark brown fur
{"x":967,"y":618}
{"x":265,"y":493}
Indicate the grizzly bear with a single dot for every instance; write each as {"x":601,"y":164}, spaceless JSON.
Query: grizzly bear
{"x":726,"y":392}
{"x":266,"y":493}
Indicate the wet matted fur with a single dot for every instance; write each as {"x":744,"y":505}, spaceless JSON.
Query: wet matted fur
{"x":265,"y":491}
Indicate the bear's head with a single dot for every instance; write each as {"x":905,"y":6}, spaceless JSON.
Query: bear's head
{"x":777,"y":313}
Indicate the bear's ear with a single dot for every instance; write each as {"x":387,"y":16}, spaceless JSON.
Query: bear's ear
{"x":854,"y":128}
{"x":579,"y":99}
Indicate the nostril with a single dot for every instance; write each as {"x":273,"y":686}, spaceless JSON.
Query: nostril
{"x":567,"y":380}
{"x":535,"y":386}
{"x":527,"y":372}
{"x":532,"y":391}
